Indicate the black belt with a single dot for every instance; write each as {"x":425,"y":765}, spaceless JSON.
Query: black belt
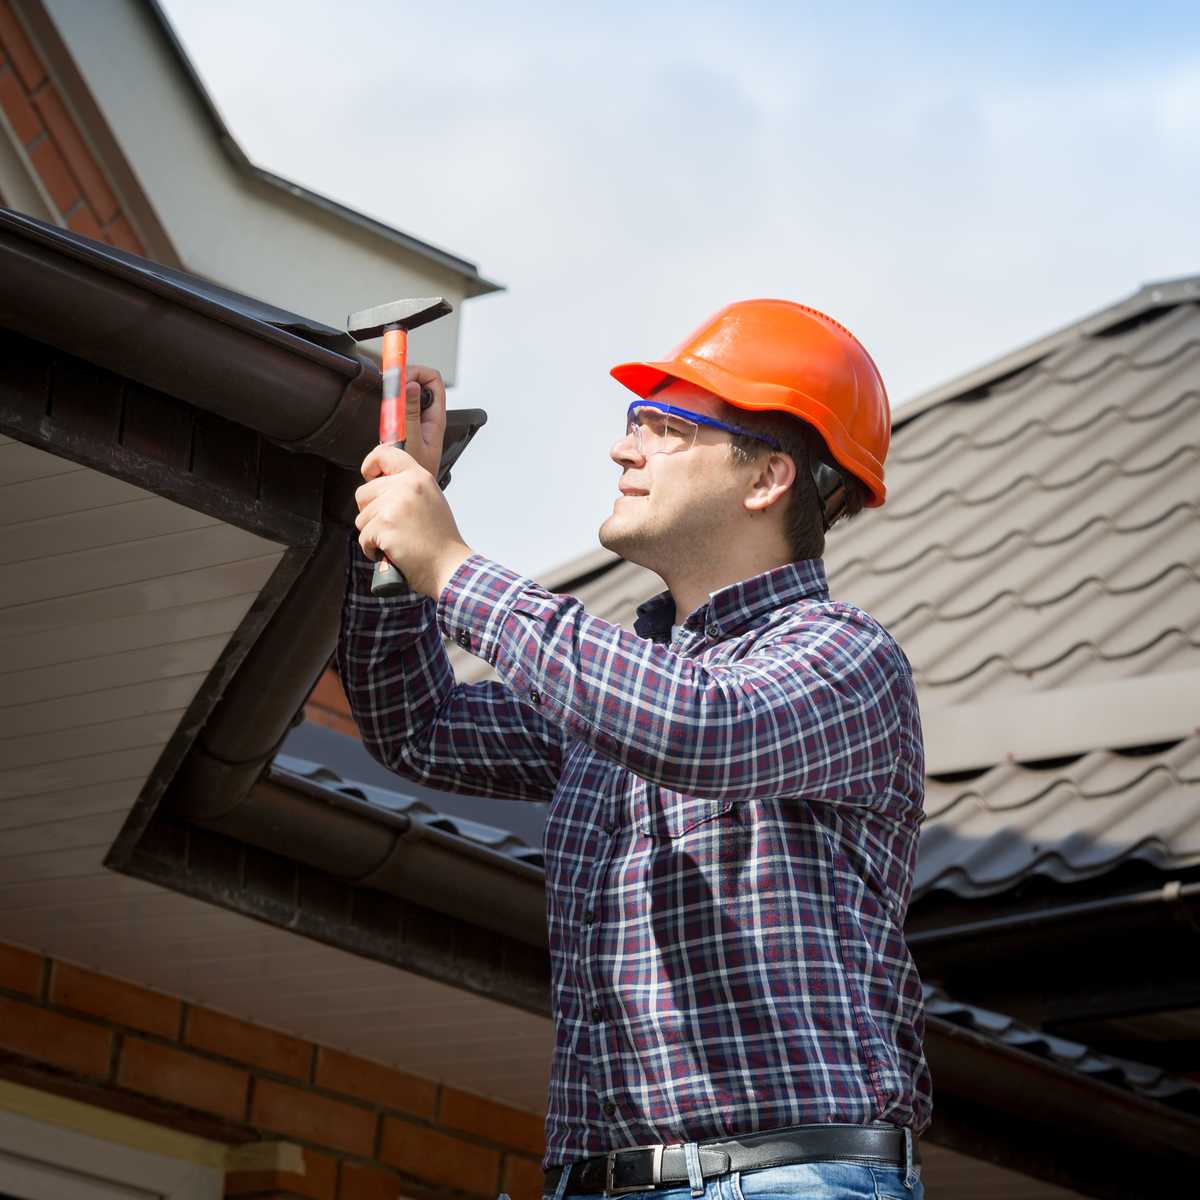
{"x":643,"y":1168}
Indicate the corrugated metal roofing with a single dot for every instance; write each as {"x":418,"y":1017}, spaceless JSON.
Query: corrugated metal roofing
{"x":1045,"y":534}
{"x":1039,"y":561}
{"x":1075,"y":820}
{"x":1039,"y":552}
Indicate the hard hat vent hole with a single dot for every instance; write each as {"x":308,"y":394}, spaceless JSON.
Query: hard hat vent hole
{"x":816,"y":312}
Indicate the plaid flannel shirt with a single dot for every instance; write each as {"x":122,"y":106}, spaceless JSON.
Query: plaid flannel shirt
{"x":730,"y":843}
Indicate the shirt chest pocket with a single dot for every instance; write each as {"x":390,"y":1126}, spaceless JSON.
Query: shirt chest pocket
{"x":665,"y":814}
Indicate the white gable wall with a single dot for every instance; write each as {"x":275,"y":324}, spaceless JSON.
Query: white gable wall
{"x":225,"y":225}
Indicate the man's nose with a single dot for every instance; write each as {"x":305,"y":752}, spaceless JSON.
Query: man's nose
{"x":625,"y":450}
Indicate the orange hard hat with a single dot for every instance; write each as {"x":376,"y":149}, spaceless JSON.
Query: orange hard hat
{"x":780,"y":356}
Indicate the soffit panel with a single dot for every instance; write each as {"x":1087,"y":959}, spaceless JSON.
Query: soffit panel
{"x":209,"y":956}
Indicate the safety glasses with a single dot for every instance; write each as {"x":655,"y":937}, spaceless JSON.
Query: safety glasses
{"x":662,"y":429}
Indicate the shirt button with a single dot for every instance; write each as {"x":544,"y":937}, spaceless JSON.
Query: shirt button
{"x":464,"y":639}
{"x":589,"y":917}
{"x":609,"y":1108}
{"x":609,"y":828}
{"x":535,"y":697}
{"x":597,"y":1015}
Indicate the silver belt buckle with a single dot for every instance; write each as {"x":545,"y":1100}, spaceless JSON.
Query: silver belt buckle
{"x":611,"y":1162}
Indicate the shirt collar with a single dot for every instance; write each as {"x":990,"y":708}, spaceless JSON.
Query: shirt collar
{"x":734,"y":606}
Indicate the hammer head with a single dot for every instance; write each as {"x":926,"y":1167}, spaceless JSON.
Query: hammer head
{"x":400,"y":314}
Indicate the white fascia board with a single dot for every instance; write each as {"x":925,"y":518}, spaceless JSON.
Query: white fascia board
{"x":1106,"y":716}
{"x":228,"y":225}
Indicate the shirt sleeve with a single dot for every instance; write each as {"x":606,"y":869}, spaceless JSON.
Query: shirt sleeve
{"x":823,"y":708}
{"x":417,"y":721}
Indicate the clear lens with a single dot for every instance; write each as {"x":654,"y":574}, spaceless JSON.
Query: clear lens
{"x":658,"y":432}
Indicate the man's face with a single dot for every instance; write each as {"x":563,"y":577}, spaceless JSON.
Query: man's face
{"x":671,"y":507}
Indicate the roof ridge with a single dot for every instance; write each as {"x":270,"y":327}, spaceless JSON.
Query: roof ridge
{"x":1166,"y":294}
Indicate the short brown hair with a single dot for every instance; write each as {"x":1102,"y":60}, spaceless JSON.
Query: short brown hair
{"x":804,"y":444}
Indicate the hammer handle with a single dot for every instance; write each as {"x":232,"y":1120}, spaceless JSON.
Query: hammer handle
{"x":386,"y":580}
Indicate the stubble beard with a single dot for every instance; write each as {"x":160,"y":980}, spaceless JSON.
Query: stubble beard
{"x":668,"y":544}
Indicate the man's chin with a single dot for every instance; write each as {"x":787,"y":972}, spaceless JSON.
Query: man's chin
{"x":624,"y":538}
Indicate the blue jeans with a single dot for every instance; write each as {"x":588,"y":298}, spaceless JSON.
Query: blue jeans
{"x":802,"y":1181}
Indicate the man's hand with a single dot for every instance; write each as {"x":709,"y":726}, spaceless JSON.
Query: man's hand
{"x":426,"y":430}
{"x":402,"y":511}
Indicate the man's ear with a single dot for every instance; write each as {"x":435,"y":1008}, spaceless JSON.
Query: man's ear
{"x":773,"y":477}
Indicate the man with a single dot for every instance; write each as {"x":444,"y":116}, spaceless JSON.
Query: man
{"x":735,"y":789}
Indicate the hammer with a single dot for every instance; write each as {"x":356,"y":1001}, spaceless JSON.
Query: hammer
{"x":394,"y":321}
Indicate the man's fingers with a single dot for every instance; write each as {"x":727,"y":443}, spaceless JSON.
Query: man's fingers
{"x":387,"y":460}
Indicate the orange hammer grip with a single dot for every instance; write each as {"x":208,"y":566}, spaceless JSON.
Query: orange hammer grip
{"x":395,"y":364}
{"x":386,"y":580}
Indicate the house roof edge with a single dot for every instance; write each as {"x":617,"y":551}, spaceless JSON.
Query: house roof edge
{"x":477,"y":285}
{"x":1163,"y":294}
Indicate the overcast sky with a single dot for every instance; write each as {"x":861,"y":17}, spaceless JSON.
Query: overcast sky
{"x":947,"y":180}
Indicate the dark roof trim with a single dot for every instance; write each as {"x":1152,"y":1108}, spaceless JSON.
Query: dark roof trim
{"x":1058,"y":961}
{"x":1141,"y":1079}
{"x":71,"y":409}
{"x":218,"y":754}
{"x":322,"y":343}
{"x":1153,"y":296}
{"x":1001,"y":1102}
{"x":1175,"y":892}
{"x":303,"y":900}
{"x":295,"y":381}
{"x":476,"y":284}
{"x":404,"y":850}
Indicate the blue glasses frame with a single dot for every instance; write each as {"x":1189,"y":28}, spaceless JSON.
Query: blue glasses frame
{"x":699,"y":419}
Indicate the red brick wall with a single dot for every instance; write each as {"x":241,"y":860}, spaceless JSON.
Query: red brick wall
{"x":368,"y":1132}
{"x":328,"y":705}
{"x":58,"y":151}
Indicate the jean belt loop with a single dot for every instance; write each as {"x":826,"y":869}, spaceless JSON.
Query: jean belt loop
{"x":562,"y":1182}
{"x":912,"y":1174}
{"x":691,"y":1154}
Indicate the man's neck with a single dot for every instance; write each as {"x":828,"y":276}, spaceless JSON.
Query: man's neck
{"x":690,"y":592}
